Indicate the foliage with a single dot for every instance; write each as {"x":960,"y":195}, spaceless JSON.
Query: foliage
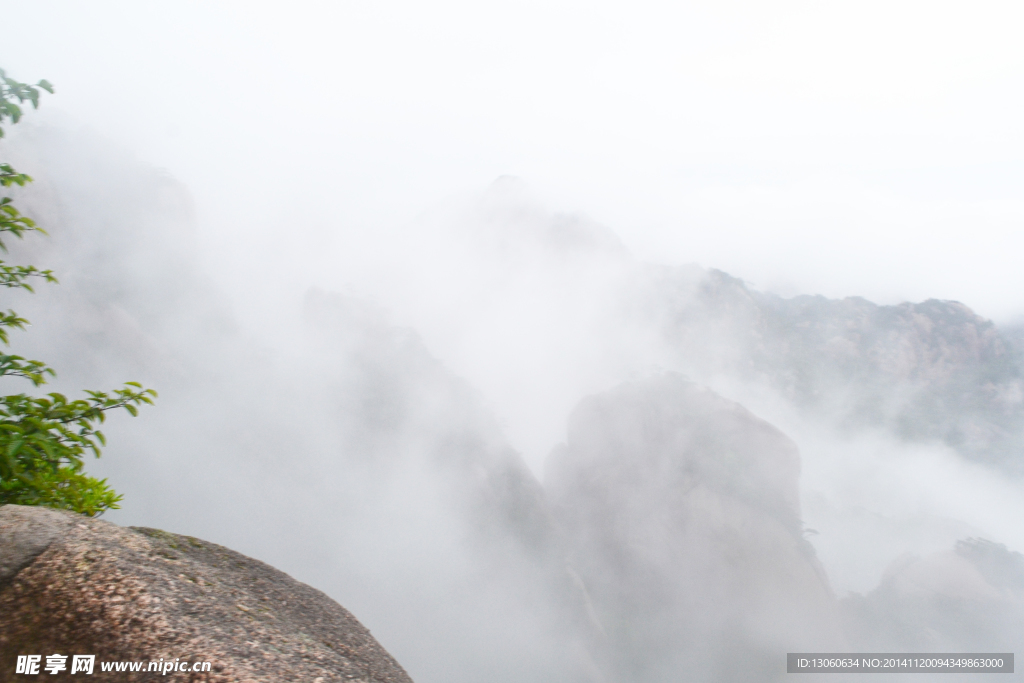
{"x":11,"y":90}
{"x":43,"y":440}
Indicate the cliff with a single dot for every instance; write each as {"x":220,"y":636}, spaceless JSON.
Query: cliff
{"x":681,"y":515}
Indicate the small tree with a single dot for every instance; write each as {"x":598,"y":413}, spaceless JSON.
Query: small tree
{"x":43,"y":439}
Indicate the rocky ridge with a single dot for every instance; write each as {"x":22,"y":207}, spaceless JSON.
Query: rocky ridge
{"x":928,"y":371}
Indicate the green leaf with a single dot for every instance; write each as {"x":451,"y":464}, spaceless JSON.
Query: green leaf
{"x":44,"y":439}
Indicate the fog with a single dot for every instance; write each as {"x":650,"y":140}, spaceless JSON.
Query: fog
{"x":807,"y":133}
{"x":491,"y":322}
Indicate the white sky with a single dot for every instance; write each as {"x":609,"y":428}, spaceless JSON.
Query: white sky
{"x":845,"y":148}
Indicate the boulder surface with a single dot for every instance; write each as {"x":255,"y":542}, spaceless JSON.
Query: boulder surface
{"x":77,"y":585}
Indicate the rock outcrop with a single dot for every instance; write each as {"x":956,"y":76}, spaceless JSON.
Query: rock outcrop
{"x":968,"y":599}
{"x":681,"y":516}
{"x":77,"y":585}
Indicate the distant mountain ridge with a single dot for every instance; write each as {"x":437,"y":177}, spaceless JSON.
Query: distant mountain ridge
{"x":929,"y":371}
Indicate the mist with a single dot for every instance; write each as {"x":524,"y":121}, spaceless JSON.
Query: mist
{"x":555,"y":341}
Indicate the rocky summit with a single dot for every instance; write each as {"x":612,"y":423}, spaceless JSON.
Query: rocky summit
{"x":73,"y":585}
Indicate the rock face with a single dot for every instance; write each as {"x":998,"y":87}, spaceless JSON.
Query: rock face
{"x":681,"y":515}
{"x":77,"y":585}
{"x":435,"y":479}
{"x":395,"y":405}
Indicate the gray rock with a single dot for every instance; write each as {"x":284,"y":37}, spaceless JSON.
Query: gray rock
{"x":136,"y":594}
{"x":25,"y":532}
{"x":682,"y":519}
